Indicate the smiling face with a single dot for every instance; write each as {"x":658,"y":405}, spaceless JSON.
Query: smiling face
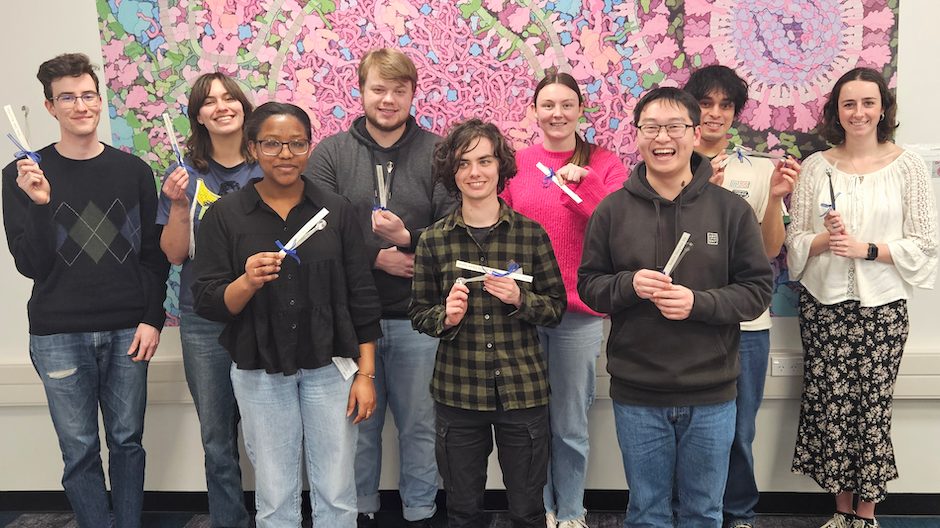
{"x":859,"y":109}
{"x":79,"y":120}
{"x":221,"y":113}
{"x":558,"y":110}
{"x":717,"y":118}
{"x":667,"y":158}
{"x":284,"y":169}
{"x":387,"y":103}
{"x":477,"y":175}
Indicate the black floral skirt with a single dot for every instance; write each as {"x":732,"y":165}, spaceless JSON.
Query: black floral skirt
{"x":851,"y":357}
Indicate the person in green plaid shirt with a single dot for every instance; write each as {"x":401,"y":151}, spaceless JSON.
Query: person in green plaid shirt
{"x":490,"y":370}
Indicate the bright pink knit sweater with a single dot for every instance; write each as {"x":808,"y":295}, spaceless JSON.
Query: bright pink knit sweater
{"x":562,"y":218}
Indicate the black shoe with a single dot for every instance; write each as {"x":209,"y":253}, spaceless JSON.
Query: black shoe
{"x":364,"y":521}
{"x":438,"y":520}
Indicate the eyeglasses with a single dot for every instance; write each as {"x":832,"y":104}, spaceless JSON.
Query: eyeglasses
{"x":674,"y":130}
{"x":91,"y":99}
{"x":274,"y":148}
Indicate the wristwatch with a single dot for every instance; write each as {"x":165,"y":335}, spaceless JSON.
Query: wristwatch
{"x":872,"y":252}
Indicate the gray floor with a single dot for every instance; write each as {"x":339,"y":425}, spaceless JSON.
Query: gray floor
{"x":494,"y":520}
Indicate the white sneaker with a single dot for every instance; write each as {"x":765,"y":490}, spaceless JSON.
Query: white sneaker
{"x":575,"y":523}
{"x":858,"y":522}
{"x":840,"y":520}
{"x":550,"y":520}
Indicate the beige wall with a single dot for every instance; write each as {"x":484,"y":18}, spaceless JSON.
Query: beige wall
{"x":29,"y":455}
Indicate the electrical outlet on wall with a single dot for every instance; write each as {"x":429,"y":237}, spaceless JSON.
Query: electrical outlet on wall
{"x":786,"y":366}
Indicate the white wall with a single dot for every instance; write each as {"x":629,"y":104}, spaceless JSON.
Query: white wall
{"x":29,"y":456}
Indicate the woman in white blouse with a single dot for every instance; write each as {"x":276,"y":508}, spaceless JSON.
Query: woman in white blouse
{"x":863,"y":234}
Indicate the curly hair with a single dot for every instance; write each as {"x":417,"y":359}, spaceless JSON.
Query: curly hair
{"x":717,"y":78}
{"x":199,"y":144}
{"x":65,"y":65}
{"x":831,"y":129}
{"x":464,"y":137}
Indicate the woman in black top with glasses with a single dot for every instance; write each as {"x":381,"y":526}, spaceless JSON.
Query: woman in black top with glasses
{"x":297,"y":323}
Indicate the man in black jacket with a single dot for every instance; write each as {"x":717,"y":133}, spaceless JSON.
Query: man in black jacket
{"x":382,"y":164}
{"x":673,"y":346}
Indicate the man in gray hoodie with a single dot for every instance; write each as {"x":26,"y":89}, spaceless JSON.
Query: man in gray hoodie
{"x":382,"y":164}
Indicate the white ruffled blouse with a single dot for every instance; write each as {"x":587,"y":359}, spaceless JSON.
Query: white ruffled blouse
{"x":894,"y":205}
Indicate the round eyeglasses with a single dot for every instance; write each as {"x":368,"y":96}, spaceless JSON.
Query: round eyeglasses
{"x":296,"y":147}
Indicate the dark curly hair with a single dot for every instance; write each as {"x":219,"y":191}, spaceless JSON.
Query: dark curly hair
{"x":199,"y":144}
{"x":65,"y":65}
{"x":717,"y":78}
{"x":463,"y":137}
{"x":831,"y":129}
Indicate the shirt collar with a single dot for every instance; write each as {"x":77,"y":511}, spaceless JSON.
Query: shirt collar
{"x":251,"y":200}
{"x":506,"y":214}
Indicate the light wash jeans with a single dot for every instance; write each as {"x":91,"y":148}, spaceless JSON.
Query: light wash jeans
{"x":287,"y":419}
{"x":81,"y":372}
{"x":741,"y":494}
{"x":688,"y":446}
{"x":404,"y":363}
{"x":207,"y":367}
{"x":571,"y":349}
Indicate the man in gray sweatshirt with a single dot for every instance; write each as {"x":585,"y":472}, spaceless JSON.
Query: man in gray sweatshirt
{"x":382,"y":164}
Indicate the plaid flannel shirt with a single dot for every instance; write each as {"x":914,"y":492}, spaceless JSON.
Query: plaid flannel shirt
{"x":495,"y":349}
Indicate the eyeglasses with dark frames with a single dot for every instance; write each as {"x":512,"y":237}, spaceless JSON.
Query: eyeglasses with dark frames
{"x":673,"y":130}
{"x":296,"y":147}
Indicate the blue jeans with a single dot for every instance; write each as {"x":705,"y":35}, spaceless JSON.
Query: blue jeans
{"x":81,"y":372}
{"x":287,"y":419}
{"x":404,"y":362}
{"x":207,"y":367}
{"x":741,"y":494}
{"x":686,"y":445}
{"x":571,"y":349}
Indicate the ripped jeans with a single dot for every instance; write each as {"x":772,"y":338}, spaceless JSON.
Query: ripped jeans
{"x":81,"y":372}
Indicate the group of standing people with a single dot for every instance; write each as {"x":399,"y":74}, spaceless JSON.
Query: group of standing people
{"x":456,"y":265}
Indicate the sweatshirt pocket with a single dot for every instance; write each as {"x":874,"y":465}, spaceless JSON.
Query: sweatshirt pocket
{"x":654,"y":353}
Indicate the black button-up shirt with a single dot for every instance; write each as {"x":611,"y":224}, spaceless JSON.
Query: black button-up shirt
{"x":322,"y":307}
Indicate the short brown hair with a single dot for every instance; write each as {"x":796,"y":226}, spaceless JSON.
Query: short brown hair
{"x":391,"y":65}
{"x":463,"y":137}
{"x":831,"y":129}
{"x":65,"y":65}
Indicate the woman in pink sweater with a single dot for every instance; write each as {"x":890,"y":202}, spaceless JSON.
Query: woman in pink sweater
{"x":573,"y":347}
